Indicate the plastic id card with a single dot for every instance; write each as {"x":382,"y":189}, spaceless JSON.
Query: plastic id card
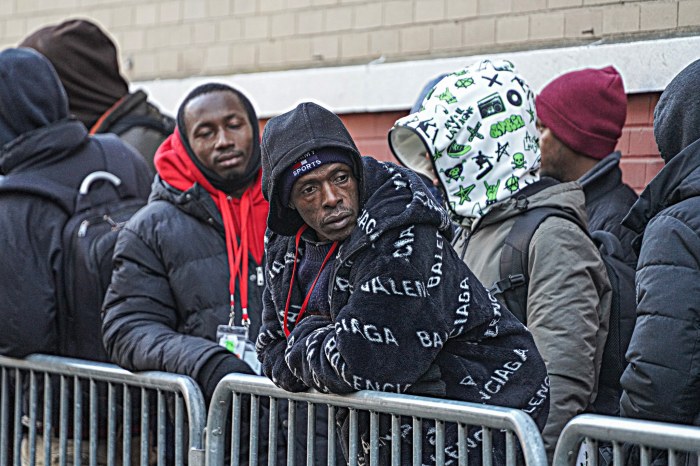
{"x":235,"y":339}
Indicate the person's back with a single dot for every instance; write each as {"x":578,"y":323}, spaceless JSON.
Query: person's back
{"x":579,"y":145}
{"x":661,"y":381}
{"x":86,"y":61}
{"x":40,"y":139}
{"x":479,"y":124}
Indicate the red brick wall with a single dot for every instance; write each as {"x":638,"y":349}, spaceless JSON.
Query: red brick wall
{"x":640,"y":161}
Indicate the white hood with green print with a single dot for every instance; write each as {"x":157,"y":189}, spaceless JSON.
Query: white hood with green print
{"x":478,"y":125}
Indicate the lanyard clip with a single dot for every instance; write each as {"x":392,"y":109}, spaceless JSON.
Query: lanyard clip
{"x":232,"y":312}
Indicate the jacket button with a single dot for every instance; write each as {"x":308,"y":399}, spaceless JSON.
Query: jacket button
{"x":253,"y":277}
{"x":285,"y":423}
{"x":188,"y":197}
{"x":210,"y":220}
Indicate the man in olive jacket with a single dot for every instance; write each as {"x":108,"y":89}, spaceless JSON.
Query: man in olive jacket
{"x":365,"y":292}
{"x":479,"y":126}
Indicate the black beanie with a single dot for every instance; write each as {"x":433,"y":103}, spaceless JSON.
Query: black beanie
{"x":308,"y":163}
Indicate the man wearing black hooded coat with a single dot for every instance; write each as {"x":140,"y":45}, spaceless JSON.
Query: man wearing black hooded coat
{"x":390,"y":290}
{"x":662,"y":379}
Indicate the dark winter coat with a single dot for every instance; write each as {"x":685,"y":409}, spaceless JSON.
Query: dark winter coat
{"x":662,"y":380}
{"x":608,"y":200}
{"x":49,"y":145}
{"x":398,"y":292}
{"x":169,"y":289}
{"x":138,"y":122}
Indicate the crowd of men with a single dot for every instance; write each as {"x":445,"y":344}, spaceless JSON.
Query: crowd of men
{"x":503,"y":261}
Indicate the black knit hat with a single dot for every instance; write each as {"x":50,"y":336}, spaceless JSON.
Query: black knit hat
{"x":286,"y":139}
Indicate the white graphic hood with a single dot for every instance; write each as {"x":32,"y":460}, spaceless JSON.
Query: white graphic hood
{"x":478,"y":125}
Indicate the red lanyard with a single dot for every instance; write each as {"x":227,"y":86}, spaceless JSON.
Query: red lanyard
{"x":334,"y":246}
{"x":237,"y":254}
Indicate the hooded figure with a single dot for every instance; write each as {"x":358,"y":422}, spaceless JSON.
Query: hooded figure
{"x":86,"y":61}
{"x":39,"y":140}
{"x":479,"y":125}
{"x":661,"y":380}
{"x":361,"y":279}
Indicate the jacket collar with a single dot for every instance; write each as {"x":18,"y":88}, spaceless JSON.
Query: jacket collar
{"x":602,"y":178}
{"x":678,"y":180}
{"x":43,"y":146}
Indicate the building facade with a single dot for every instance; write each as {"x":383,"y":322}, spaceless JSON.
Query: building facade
{"x":368,"y":59}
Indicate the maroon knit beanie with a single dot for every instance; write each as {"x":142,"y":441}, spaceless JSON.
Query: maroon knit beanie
{"x":585,"y":109}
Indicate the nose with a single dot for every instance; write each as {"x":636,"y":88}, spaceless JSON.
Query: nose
{"x":331,"y":197}
{"x":223,"y":139}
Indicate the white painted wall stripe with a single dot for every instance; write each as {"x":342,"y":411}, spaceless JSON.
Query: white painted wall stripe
{"x":645,"y":66}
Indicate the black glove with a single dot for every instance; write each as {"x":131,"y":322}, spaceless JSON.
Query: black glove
{"x":218,"y":366}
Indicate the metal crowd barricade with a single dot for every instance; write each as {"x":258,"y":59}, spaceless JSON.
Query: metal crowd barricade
{"x":674,"y":439}
{"x":225,"y":411}
{"x":132,"y":418}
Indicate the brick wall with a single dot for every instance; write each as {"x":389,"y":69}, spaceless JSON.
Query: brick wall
{"x":640,"y":156}
{"x":179,"y":38}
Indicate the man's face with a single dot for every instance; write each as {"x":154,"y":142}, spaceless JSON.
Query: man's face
{"x":219,"y":133}
{"x":328,"y":201}
{"x":553,"y":152}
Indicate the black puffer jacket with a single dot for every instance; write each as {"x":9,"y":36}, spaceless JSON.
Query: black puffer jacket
{"x":169,"y":289}
{"x":608,"y":200}
{"x":398,"y":293}
{"x":662,"y":381}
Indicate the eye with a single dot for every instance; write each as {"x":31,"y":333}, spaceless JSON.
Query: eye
{"x":204,"y":133}
{"x":308,"y":190}
{"x":341,"y":178}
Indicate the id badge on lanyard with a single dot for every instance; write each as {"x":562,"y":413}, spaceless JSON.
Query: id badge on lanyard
{"x":235,"y":339}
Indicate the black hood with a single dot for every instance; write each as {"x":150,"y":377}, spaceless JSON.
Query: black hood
{"x":677,"y":181}
{"x":677,"y":115}
{"x":285,"y":140}
{"x":31,"y":95}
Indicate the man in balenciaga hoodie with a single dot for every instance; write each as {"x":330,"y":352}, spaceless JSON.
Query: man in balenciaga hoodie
{"x":364,"y":290}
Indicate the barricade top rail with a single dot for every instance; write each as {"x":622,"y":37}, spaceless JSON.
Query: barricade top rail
{"x":621,"y":430}
{"x":109,"y":373}
{"x":493,"y":417}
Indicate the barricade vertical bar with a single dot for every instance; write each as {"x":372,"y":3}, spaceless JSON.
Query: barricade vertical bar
{"x":47,"y":421}
{"x":77,"y":419}
{"x":395,"y":440}
{"x":373,"y":438}
{"x":486,"y":446}
{"x":272,"y":433}
{"x":179,"y":429}
{"x":254,"y":426}
{"x":17,"y":418}
{"x":672,"y":457}
{"x":235,"y":428}
{"x":594,"y":451}
{"x":94,"y":413}
{"x":617,"y":453}
{"x":291,"y":431}
{"x":4,"y":417}
{"x":63,"y":422}
{"x":510,"y":449}
{"x":352,"y":447}
{"x":439,"y":443}
{"x":160,"y":421}
{"x":111,"y":425}
{"x":32,"y":417}
{"x":145,"y":421}
{"x":644,"y":456}
{"x":331,"y":435}
{"x":311,"y":434}
{"x":126,"y":441}
{"x":462,"y":432}
{"x":417,"y":441}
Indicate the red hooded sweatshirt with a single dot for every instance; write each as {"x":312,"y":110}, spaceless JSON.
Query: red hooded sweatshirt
{"x":245,"y":219}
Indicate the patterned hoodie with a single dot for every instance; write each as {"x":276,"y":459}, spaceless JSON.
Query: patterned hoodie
{"x":478,"y":125}
{"x":398,"y":292}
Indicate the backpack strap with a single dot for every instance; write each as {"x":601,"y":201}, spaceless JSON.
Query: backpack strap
{"x":39,"y":186}
{"x":513,"y":266}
